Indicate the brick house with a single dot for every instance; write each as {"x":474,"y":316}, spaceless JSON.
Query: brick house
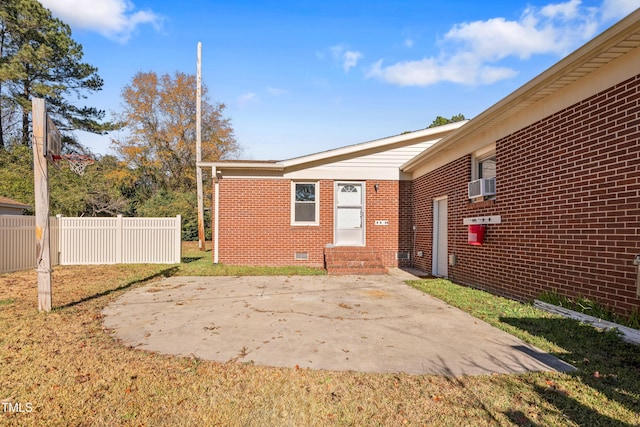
{"x":350,"y":206}
{"x":555,"y":168}
{"x":551,"y":174}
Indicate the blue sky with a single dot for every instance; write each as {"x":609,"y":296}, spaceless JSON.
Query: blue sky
{"x":299,"y":77}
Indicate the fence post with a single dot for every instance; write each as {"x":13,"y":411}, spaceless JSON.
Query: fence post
{"x":119,"y":239}
{"x":59,"y":238}
{"x":178,"y":250}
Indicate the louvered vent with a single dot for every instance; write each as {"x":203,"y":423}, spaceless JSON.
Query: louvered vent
{"x":301,"y":256}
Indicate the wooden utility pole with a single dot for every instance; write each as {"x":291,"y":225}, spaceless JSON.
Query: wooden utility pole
{"x":201,"y":235}
{"x":41,"y":186}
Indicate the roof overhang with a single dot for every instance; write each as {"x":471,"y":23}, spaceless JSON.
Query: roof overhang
{"x":334,"y":155}
{"x":5,"y":202}
{"x":244,"y":165}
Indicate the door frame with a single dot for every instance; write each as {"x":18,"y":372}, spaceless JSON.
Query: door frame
{"x":363,"y":185}
{"x":438,"y":240}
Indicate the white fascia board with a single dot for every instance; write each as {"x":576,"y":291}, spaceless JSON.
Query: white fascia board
{"x":368,"y":174}
{"x":271,"y":166}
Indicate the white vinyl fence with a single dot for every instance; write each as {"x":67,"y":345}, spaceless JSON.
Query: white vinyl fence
{"x":120,"y":240}
{"x":91,"y":241}
{"x":18,"y":242}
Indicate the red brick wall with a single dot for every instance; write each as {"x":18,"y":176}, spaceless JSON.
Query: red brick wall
{"x":255,"y":222}
{"x":392,"y":202}
{"x":451,"y":181}
{"x":569,"y":196}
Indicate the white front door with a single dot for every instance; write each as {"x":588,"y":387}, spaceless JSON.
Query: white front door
{"x":349,"y":214}
{"x":440,"y":237}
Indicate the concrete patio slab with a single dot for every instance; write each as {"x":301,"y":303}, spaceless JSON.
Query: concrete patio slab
{"x":359,"y":323}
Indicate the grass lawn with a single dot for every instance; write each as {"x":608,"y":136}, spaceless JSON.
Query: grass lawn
{"x":62,"y":368}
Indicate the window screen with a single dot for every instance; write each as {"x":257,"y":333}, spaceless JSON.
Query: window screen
{"x":305,"y":202}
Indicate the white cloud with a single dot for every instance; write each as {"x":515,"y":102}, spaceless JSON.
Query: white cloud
{"x":350,"y":59}
{"x":342,"y":55}
{"x":423,"y":72}
{"x":114,"y":19}
{"x":276,"y":91}
{"x":429,"y":71}
{"x":556,"y":31}
{"x":408,"y":42}
{"x":337,"y":50}
{"x":246,"y":99}
{"x":471,"y":51}
{"x":618,"y":9}
{"x":569,"y":10}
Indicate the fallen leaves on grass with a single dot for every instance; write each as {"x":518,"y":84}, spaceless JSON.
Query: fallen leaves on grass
{"x":82,"y":378}
{"x":553,"y":387}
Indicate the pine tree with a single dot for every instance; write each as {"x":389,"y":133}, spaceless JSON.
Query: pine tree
{"x":439,"y":120}
{"x":39,"y":58}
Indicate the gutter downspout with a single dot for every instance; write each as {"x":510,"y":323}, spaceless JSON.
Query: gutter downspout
{"x":216,"y":212}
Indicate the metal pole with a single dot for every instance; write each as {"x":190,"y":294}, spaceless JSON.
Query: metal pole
{"x":201,"y":235}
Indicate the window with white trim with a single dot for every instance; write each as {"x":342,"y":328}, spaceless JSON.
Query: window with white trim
{"x":483,"y":162}
{"x":305,"y":204}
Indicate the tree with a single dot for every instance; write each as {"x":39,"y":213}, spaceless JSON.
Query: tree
{"x":16,"y":182}
{"x":108,"y":190}
{"x":38,"y":58}
{"x":102,"y":191}
{"x":172,"y":203}
{"x":439,"y":120}
{"x":9,"y":122}
{"x":16,"y":174}
{"x":159,"y":115}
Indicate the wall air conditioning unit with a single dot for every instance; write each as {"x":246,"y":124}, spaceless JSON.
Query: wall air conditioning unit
{"x":482,"y":187}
